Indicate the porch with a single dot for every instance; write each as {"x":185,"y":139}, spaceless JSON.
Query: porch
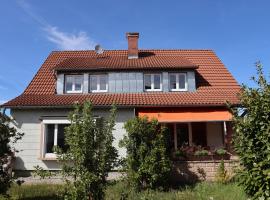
{"x":195,"y":134}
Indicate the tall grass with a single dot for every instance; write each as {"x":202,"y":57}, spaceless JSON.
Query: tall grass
{"x":201,"y":191}
{"x":119,"y":190}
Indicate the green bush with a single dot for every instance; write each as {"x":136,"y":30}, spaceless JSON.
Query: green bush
{"x":148,"y":163}
{"x":90,"y":155}
{"x":251,"y":137}
{"x":8,"y":136}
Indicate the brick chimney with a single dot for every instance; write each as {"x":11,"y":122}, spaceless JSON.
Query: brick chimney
{"x":132,"y":45}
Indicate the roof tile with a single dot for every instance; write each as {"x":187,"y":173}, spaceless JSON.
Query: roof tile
{"x":215,"y":84}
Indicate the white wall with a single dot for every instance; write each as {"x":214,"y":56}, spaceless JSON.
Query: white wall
{"x":214,"y":134}
{"x":28,"y":121}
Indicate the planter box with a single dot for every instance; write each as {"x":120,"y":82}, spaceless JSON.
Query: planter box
{"x":201,"y":158}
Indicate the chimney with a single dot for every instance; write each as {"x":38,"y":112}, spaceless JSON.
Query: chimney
{"x":132,"y":45}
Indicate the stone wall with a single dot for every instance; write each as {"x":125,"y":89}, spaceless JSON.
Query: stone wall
{"x":192,"y":171}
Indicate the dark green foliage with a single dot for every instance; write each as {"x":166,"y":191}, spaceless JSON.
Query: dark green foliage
{"x":252,"y":137}
{"x":90,"y":155}
{"x":148,"y":163}
{"x":8,"y":137}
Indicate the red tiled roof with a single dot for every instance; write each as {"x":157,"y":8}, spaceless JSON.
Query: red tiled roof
{"x":122,"y":63}
{"x":215,"y":84}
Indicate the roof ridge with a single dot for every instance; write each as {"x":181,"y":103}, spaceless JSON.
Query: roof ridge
{"x":91,"y":50}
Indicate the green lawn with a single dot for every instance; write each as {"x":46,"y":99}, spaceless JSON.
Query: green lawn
{"x":201,"y":191}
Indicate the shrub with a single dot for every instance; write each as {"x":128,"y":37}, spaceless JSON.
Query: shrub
{"x":148,"y":163}
{"x":8,"y":135}
{"x":222,"y":174}
{"x":90,"y":154}
{"x":251,"y":137}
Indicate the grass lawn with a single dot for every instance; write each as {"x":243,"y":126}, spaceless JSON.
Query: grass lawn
{"x":201,"y":191}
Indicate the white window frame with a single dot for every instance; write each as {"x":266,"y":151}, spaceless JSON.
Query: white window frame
{"x":177,"y":82}
{"x":152,"y":82}
{"x":73,"y":83}
{"x":56,"y":122}
{"x":98,"y":83}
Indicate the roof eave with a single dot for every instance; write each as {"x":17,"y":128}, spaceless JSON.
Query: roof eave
{"x":119,"y":106}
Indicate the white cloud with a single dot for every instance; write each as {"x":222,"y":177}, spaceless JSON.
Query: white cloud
{"x":67,"y":41}
{"x":63,"y":40}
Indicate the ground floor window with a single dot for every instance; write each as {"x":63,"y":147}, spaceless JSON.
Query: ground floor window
{"x":54,"y":135}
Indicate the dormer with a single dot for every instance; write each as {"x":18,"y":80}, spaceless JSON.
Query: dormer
{"x":129,"y":71}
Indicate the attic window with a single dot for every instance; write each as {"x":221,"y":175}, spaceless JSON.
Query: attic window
{"x":152,"y":82}
{"x":74,"y":83}
{"x":99,"y":83}
{"x":178,"y":82}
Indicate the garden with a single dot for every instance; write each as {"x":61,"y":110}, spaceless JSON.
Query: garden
{"x":90,"y":156}
{"x":118,"y":190}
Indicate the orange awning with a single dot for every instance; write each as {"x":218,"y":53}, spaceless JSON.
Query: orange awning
{"x":186,"y":115}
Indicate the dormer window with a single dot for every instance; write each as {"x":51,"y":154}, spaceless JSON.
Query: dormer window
{"x":73,"y":83}
{"x":178,"y":81}
{"x":99,"y":83}
{"x":152,"y":82}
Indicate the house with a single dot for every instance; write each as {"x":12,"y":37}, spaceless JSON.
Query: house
{"x":186,"y":90}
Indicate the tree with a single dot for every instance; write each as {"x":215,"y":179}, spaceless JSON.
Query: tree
{"x":8,"y":136}
{"x":90,"y":154}
{"x":252,"y":137}
{"x":148,"y":163}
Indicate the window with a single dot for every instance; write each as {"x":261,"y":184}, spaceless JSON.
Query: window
{"x":73,"y":83}
{"x":99,"y":83}
{"x":54,"y":136}
{"x":178,"y":82}
{"x":152,"y":82}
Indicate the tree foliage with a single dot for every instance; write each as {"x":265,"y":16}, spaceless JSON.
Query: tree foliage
{"x":252,"y":137}
{"x":8,"y":136}
{"x":148,"y":163}
{"x":90,"y":155}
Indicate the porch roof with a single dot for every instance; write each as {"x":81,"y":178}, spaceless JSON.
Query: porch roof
{"x":186,"y":114}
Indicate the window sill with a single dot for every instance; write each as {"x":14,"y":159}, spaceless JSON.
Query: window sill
{"x":99,"y":91}
{"x":184,"y":90}
{"x":153,"y":90}
{"x":74,"y":92}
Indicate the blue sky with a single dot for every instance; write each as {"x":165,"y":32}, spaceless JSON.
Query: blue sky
{"x":237,"y":30}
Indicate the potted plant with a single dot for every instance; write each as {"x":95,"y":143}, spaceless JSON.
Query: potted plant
{"x":202,"y":154}
{"x":180,"y":155}
{"x":221,"y":154}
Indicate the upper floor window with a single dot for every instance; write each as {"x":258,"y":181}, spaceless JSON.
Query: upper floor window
{"x":73,"y":83}
{"x":152,"y":82}
{"x":99,"y":83}
{"x":178,"y":81}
